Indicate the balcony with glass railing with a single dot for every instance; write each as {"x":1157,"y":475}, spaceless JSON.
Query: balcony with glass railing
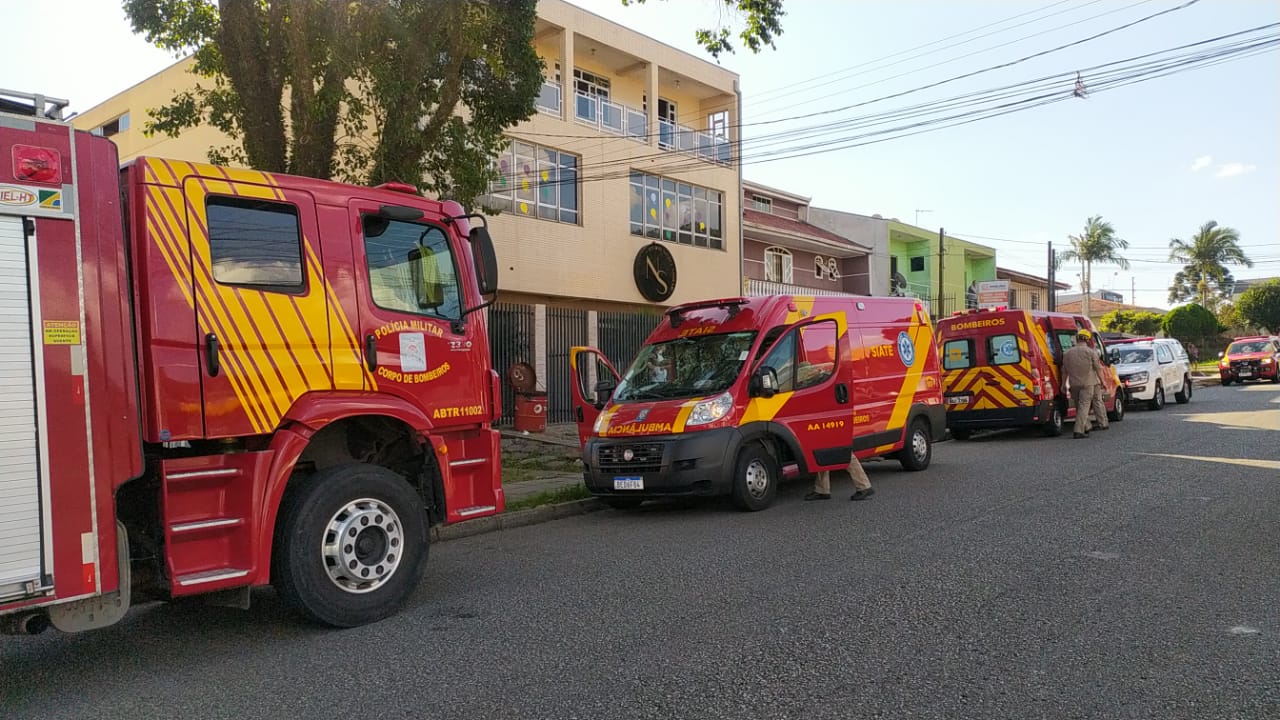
{"x":624,"y":121}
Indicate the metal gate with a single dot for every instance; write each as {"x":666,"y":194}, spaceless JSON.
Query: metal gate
{"x":20,"y":528}
{"x":510,"y":342}
{"x":622,"y":333}
{"x":566,"y":327}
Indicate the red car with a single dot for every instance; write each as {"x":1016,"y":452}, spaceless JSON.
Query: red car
{"x":1250,"y":358}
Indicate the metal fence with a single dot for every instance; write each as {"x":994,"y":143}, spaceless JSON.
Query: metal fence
{"x":566,"y":327}
{"x":622,"y":333}
{"x":511,"y":329}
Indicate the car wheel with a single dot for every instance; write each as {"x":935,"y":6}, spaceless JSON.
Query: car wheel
{"x":755,"y":478}
{"x":1157,"y":401}
{"x":1183,"y":396}
{"x":917,"y":451}
{"x":1053,"y":426}
{"x":961,"y":434}
{"x":1117,"y":410}
{"x":350,"y":545}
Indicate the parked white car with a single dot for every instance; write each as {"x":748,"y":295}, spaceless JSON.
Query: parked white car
{"x":1150,"y":369}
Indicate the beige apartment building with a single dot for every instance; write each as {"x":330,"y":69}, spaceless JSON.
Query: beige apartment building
{"x":619,"y":197}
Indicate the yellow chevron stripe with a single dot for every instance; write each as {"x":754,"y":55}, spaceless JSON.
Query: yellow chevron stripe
{"x":174,"y":253}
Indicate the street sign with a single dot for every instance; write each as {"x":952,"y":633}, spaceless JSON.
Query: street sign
{"x":993,"y":293}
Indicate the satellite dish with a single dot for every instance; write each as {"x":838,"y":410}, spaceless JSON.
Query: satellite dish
{"x":898,"y":285}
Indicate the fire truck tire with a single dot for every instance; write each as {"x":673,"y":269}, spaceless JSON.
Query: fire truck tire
{"x":755,"y":478}
{"x":351,"y":545}
{"x":917,"y":448}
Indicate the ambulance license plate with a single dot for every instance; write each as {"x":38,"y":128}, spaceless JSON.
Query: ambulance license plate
{"x":958,"y":399}
{"x":628,"y":483}
{"x":1246,"y":373}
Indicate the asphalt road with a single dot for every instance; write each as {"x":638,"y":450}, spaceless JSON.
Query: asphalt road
{"x":1134,"y":574}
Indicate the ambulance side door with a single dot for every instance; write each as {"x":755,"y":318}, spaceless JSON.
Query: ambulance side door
{"x":814,"y":375}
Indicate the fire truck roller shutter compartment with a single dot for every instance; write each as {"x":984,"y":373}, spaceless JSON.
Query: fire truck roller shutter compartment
{"x":20,"y":526}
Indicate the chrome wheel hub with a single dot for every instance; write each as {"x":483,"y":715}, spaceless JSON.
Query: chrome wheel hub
{"x":362,"y":545}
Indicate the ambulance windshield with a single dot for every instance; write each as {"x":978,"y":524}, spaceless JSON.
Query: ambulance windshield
{"x":686,"y":367}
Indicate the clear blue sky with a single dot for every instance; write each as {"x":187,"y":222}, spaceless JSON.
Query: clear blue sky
{"x":1156,"y":159}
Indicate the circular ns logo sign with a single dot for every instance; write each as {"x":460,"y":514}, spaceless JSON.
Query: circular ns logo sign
{"x":906,"y":350}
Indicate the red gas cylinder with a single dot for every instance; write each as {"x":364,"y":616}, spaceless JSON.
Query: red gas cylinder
{"x":531,"y":412}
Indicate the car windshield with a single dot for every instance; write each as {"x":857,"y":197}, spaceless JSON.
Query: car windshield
{"x":1127,"y":356}
{"x":1247,"y":347}
{"x":686,"y":367}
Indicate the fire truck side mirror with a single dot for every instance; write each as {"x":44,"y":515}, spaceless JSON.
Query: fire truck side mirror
{"x":486,"y":260}
{"x":764,"y":382}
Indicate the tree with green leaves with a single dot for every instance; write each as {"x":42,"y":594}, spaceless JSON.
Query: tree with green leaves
{"x":1260,"y":305}
{"x":1191,"y":323}
{"x":1204,"y":274}
{"x":1134,"y":322}
{"x":416,"y":91}
{"x":762,"y":21}
{"x":1097,"y":245}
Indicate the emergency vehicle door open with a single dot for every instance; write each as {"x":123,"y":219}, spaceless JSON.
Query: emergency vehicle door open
{"x":25,"y":568}
{"x":594,"y":379}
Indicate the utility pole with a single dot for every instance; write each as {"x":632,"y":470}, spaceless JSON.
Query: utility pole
{"x":1133,"y":292}
{"x":942,"y":234}
{"x":1053,"y":281}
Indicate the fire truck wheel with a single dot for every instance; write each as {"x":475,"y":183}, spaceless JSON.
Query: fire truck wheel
{"x":917,"y":451}
{"x":755,"y":478}
{"x":351,"y":544}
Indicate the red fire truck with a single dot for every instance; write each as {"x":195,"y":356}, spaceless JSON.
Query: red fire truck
{"x":218,"y":378}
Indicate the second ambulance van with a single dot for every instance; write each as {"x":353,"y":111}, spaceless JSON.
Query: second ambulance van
{"x":1000,"y":369}
{"x":726,"y":394}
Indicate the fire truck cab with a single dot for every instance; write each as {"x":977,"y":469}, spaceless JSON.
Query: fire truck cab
{"x":220,"y":378}
{"x":727,"y":394}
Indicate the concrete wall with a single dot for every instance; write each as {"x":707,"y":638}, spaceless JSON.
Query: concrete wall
{"x":866,"y":231}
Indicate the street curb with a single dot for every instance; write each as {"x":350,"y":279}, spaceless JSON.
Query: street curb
{"x":519,"y":518}
{"x":1205,"y":380}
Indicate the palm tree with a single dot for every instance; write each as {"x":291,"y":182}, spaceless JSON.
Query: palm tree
{"x":1097,"y":244}
{"x":1205,"y":258}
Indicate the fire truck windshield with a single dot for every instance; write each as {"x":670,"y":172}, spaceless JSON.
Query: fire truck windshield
{"x":686,"y":367}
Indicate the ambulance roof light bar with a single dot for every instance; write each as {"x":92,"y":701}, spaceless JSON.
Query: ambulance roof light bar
{"x":34,"y":104}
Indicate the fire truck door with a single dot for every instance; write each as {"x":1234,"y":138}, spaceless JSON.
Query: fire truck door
{"x":22,"y":542}
{"x":262,"y":315}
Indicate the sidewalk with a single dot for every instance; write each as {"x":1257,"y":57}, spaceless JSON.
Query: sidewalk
{"x":534,"y":463}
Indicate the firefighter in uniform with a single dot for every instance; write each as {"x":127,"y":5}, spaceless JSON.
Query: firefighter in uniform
{"x":1081,"y":373}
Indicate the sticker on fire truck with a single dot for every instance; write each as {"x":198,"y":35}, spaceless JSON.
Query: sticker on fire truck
{"x":413,"y":352}
{"x":32,"y":198}
{"x":61,"y":332}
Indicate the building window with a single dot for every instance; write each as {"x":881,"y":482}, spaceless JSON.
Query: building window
{"x":411,"y":268}
{"x":255,"y":243}
{"x":917,"y":263}
{"x":115,"y":127}
{"x":777,"y":265}
{"x":536,"y":181}
{"x":819,"y":268}
{"x":761,"y":203}
{"x":718,"y":124}
{"x":1035,"y":301}
{"x":590,"y":84}
{"x":664,"y":209}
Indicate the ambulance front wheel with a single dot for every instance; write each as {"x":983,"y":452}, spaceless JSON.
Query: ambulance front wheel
{"x":350,"y":546}
{"x":917,"y":451}
{"x":755,"y":478}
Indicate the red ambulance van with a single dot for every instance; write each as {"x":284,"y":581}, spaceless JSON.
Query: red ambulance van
{"x":724,"y":394}
{"x":1000,"y":369}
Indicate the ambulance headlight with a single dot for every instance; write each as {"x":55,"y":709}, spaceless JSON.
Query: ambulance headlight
{"x":601,"y":421}
{"x":709,"y":411}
